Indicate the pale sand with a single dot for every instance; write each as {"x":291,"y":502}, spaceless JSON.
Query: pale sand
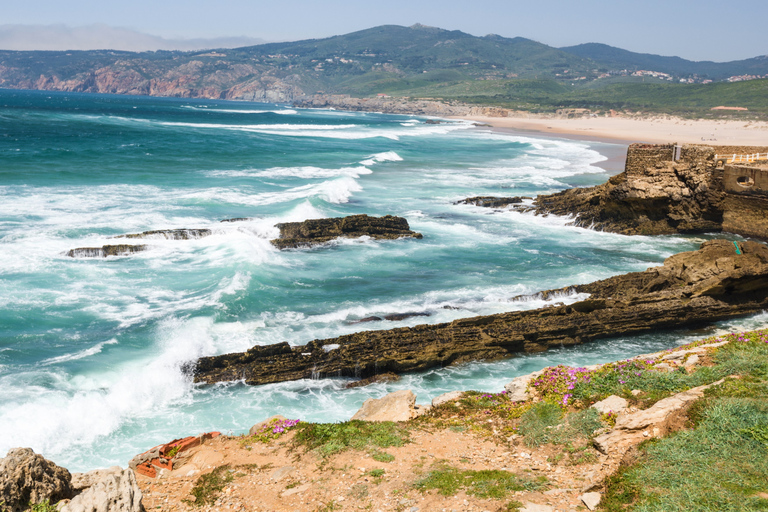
{"x":649,"y":129}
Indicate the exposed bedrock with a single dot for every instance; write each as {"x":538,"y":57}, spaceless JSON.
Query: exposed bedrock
{"x":317,"y":231}
{"x":690,"y":289}
{"x":665,"y":190}
{"x":654,"y":195}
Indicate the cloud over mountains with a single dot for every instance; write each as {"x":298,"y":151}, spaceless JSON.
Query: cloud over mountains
{"x":105,"y":37}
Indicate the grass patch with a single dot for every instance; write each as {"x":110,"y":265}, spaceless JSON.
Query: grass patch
{"x":208,"y":487}
{"x":330,"y":438}
{"x":377,"y":474}
{"x":494,"y":484}
{"x":545,"y":423}
{"x":380,"y":456}
{"x":722,"y":463}
{"x":43,"y":506}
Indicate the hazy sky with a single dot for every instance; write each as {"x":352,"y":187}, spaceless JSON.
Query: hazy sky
{"x":700,"y":30}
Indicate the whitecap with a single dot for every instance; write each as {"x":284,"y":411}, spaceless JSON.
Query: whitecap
{"x":79,"y":355}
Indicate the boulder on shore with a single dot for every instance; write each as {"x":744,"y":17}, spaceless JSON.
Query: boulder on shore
{"x":29,"y":478}
{"x":396,"y":406}
{"x":318,"y":231}
{"x":109,"y":490}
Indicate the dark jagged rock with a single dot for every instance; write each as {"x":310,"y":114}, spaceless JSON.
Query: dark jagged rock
{"x":492,"y":202}
{"x":238,"y":219}
{"x":171,"y":234}
{"x":317,"y":231}
{"x":366,"y":320}
{"x":691,"y":289}
{"x":396,"y":317}
{"x":105,"y":250}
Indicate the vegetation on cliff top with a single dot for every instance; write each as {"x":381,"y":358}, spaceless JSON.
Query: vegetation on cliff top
{"x":721,"y":462}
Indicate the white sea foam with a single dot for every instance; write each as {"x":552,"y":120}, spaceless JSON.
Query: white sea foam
{"x":79,"y":355}
{"x":79,"y":410}
{"x":305,"y":172}
{"x":286,"y":111}
{"x":387,"y":156}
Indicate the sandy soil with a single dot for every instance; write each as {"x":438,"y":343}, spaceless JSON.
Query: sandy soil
{"x":648,"y":129}
{"x":270,"y":477}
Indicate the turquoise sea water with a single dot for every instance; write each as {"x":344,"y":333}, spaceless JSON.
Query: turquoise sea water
{"x":92,"y":350}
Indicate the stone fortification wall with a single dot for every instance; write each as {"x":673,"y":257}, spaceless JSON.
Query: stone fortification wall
{"x":746,"y":215}
{"x":646,"y":156}
{"x":748,"y":180}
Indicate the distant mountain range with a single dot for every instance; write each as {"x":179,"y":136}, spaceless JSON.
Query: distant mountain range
{"x":418,"y":61}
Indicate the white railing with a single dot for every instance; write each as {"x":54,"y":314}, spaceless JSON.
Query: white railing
{"x":741,"y":159}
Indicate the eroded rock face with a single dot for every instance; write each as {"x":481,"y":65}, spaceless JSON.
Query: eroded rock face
{"x":318,"y":231}
{"x":690,"y":289}
{"x":27,"y":477}
{"x":111,"y":490}
{"x":664,"y":189}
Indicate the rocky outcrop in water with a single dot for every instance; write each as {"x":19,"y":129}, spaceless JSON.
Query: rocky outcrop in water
{"x":690,"y":289}
{"x":170,"y":234}
{"x":28,"y":478}
{"x":492,"y":202}
{"x":105,"y":250}
{"x":318,"y":231}
{"x":665,"y":189}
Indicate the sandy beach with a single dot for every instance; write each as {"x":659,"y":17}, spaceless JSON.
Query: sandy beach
{"x":648,"y":129}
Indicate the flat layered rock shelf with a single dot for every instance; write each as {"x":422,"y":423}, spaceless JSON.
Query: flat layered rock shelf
{"x":721,"y":280}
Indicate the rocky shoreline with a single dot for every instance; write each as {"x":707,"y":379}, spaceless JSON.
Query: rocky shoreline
{"x":461,"y":428}
{"x":721,"y":280}
{"x":665,"y":189}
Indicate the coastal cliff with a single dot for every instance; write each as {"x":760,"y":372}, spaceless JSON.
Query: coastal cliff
{"x":720,"y":280}
{"x":667,"y":189}
{"x":206,"y":77}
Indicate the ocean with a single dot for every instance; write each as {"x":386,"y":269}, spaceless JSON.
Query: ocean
{"x":93,"y":350}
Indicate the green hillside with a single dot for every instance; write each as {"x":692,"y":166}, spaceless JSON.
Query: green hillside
{"x":611,"y":58}
{"x":417,"y":61}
